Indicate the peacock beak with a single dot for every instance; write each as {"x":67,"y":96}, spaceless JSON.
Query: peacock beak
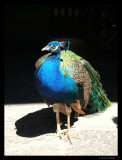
{"x":47,"y":48}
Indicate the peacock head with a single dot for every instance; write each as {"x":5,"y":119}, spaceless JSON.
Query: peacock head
{"x":55,"y":46}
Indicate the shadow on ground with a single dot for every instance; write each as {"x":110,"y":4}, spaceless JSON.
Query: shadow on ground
{"x":115,"y":120}
{"x":40,"y":122}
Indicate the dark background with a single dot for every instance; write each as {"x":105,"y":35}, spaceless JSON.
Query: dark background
{"x":91,"y":28}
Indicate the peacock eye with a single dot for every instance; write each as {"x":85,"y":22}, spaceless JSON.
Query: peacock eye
{"x":54,"y":46}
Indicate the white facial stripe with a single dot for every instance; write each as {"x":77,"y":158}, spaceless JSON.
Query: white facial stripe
{"x":51,"y":46}
{"x":56,"y":48}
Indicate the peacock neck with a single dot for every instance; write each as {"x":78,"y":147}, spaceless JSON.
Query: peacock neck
{"x":54,"y":61}
{"x":51,"y":65}
{"x":55,"y":56}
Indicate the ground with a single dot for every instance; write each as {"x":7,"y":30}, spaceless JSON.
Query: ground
{"x":27,"y":129}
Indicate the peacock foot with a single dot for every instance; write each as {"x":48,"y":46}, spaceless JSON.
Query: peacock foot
{"x":58,"y":133}
{"x":55,"y":135}
{"x":70,"y":135}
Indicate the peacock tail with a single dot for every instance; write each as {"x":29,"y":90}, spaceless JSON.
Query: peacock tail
{"x":98,"y":97}
{"x":98,"y":100}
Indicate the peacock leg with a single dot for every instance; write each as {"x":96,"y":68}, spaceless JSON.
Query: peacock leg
{"x":56,"y":109}
{"x":58,"y":130}
{"x":68,"y":111}
{"x":69,"y":135}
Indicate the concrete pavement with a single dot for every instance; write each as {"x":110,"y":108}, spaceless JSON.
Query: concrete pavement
{"x":28,"y":126}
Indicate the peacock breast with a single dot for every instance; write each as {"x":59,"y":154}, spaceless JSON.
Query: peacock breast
{"x":52,"y":82}
{"x":49,"y":79}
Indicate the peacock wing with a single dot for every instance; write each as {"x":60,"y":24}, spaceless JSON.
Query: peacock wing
{"x":41,"y":60}
{"x":73,"y":66}
{"x":98,"y":98}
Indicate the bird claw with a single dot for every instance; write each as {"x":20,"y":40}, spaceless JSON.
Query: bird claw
{"x":62,"y":135}
{"x":71,"y":135}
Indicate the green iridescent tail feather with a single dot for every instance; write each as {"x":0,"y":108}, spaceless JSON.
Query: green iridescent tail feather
{"x":98,"y":98}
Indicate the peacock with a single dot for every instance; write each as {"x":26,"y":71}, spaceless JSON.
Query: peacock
{"x":67,"y":81}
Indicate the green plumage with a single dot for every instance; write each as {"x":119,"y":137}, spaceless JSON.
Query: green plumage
{"x":98,"y":100}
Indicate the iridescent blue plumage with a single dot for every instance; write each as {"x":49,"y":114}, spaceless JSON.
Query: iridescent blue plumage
{"x":51,"y":83}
